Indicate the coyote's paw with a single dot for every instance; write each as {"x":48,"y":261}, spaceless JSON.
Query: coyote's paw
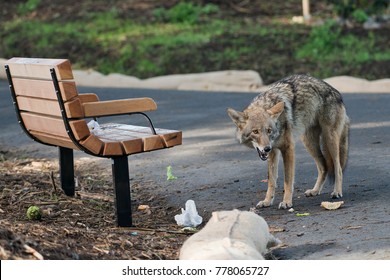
{"x":336,"y":195}
{"x":285,"y":205}
{"x":264,"y":203}
{"x":312,"y":192}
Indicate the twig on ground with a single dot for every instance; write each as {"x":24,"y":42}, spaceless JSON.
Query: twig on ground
{"x":32,"y":251}
{"x":53,"y":183}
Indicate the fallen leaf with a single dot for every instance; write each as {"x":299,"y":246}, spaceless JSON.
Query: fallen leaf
{"x":302,"y":214}
{"x":189,"y":229}
{"x":143,"y":207}
{"x":169,"y":174}
{"x":276,"y":229}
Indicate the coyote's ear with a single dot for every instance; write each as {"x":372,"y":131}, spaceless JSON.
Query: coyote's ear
{"x":237,"y":117}
{"x":276,"y":110}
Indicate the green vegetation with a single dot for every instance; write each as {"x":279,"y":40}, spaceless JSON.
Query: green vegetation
{"x":185,"y":12}
{"x":356,"y":8}
{"x":188,"y":38}
{"x":360,"y":16}
{"x":329,"y":43}
{"x":28,"y":6}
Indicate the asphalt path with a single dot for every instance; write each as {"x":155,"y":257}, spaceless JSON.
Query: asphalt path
{"x":219,"y":174}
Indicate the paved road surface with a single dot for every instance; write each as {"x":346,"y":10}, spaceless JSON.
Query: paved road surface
{"x":219,"y":174}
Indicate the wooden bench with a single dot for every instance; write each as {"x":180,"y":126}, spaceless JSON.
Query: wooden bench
{"x":52,"y":112}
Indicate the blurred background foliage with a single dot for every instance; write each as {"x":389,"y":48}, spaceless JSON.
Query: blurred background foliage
{"x":150,"y":38}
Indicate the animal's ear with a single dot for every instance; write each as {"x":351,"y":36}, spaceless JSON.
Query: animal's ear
{"x":276,"y":110}
{"x":237,"y":117}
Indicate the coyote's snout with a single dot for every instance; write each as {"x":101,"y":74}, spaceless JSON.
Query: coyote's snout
{"x":263,"y":154}
{"x":297,"y":105}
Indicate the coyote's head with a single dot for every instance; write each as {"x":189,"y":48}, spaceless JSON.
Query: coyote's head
{"x":257,"y":127}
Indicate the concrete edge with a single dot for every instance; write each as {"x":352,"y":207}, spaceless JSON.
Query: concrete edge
{"x":221,"y":81}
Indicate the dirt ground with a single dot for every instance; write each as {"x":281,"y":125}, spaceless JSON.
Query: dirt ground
{"x":80,"y":227}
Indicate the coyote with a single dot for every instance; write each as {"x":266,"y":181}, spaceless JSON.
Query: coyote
{"x":299,"y":105}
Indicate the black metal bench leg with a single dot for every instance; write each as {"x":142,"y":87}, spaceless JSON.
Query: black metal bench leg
{"x":67,"y":170}
{"x":120,"y":174}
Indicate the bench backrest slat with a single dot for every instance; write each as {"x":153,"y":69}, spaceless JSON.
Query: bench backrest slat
{"x":44,"y":88}
{"x":38,"y":68}
{"x":55,"y":140}
{"x":50,"y":107}
{"x":54,"y":126}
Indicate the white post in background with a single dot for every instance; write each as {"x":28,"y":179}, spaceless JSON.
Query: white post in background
{"x":306,"y":10}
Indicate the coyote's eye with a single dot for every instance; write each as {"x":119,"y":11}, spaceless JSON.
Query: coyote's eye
{"x":255,"y":131}
{"x":269,"y":130}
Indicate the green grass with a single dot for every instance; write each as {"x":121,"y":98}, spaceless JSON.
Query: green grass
{"x":185,"y":12}
{"x":189,"y":38}
{"x":28,"y":6}
{"x":329,"y":45}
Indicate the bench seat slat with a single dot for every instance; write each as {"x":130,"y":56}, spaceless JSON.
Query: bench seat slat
{"x":79,"y":129}
{"x":93,"y":144}
{"x":112,"y":149}
{"x":135,"y":128}
{"x":102,"y":146}
{"x":127,"y":134}
{"x":133,"y":146}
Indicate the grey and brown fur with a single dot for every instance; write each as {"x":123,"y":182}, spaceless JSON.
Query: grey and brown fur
{"x":299,"y":105}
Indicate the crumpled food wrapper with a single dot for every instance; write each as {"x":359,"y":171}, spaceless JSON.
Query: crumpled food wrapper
{"x":189,"y":216}
{"x":94,"y":127}
{"x":332,"y":205}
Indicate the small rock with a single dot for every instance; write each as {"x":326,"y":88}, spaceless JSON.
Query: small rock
{"x":371,"y":24}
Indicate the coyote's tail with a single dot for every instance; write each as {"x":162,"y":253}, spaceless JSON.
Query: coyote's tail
{"x":343,"y":151}
{"x":344,"y":144}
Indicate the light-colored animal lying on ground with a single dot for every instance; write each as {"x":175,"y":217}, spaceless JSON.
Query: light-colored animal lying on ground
{"x":230,"y":235}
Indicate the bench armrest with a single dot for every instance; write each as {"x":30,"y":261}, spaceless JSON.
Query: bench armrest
{"x":88,"y":97}
{"x":118,"y":107}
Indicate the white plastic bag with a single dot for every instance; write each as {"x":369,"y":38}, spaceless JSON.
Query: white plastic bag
{"x":189,"y":216}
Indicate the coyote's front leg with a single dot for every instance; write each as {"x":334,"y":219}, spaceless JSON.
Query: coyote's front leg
{"x":273,"y":161}
{"x":288,"y":154}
